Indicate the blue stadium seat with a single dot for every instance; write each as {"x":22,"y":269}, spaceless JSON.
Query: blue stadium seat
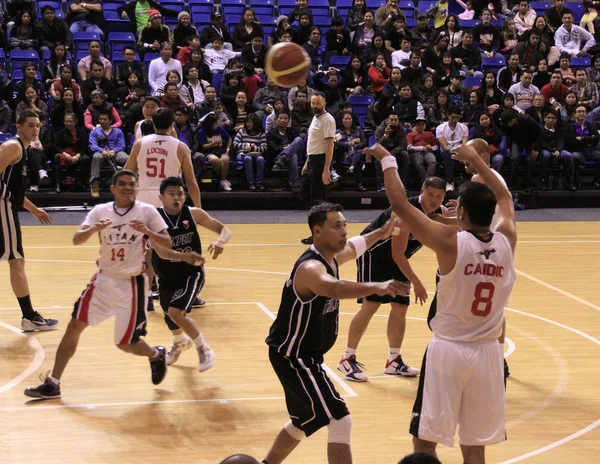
{"x":53,"y":3}
{"x":118,"y":58}
{"x":497,"y":22}
{"x":577,"y":9}
{"x":581,"y":63}
{"x":411,"y":22}
{"x":118,"y":40}
{"x":233,"y":12}
{"x":111,"y":6}
{"x":406,"y":5}
{"x":374,"y":4}
{"x":342,"y":12}
{"x":425,"y":5}
{"x":267,"y":30}
{"x":322,"y":21}
{"x":263,"y":10}
{"x":82,"y":39}
{"x":4,"y":137}
{"x":114,"y":22}
{"x":177,"y":5}
{"x":339,"y":61}
{"x":469,"y":23}
{"x":344,"y":3}
{"x":361,"y":121}
{"x":286,"y":3}
{"x":149,"y":57}
{"x":471,"y":81}
{"x":233,"y":2}
{"x":201,"y":12}
{"x":18,"y":57}
{"x":540,"y":5}
{"x":360,"y":103}
{"x":2,"y":59}
{"x":492,"y":64}
{"x":266,"y":20}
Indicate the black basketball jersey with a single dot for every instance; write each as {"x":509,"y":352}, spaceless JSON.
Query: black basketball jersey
{"x":185,"y":238}
{"x":12,"y":185}
{"x":305,"y":328}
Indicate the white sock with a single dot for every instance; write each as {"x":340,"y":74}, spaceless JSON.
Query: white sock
{"x":156,"y":353}
{"x":53,"y":380}
{"x":349,"y":352}
{"x":179,"y":338}
{"x":199,"y":342}
{"x":394,"y":353}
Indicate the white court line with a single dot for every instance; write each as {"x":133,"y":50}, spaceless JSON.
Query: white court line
{"x":210,"y":303}
{"x":326,"y":368}
{"x":38,"y":358}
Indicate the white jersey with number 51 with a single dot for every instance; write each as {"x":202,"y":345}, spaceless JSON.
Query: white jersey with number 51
{"x":471,"y":298}
{"x":156,"y":161}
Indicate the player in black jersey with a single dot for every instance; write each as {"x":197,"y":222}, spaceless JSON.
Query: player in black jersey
{"x":13,"y":158}
{"x":306,"y":328}
{"x":181,"y":271}
{"x":389,"y":259}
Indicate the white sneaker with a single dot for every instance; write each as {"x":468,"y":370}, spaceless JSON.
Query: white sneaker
{"x":398,"y":367}
{"x":352,"y":369}
{"x":334,"y":176}
{"x":450,"y":187}
{"x":227,"y":182}
{"x":34,"y":188}
{"x":177,"y":349}
{"x":43,"y":174}
{"x":225,"y":186}
{"x":207,"y":358}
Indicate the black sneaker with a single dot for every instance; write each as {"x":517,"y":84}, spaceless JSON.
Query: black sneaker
{"x":159,"y":365}
{"x":48,"y":390}
{"x":38,"y":323}
{"x":154,"y":285}
{"x":150,"y":304}
{"x":506,"y":370}
{"x":198,"y":302}
{"x":307,"y":240}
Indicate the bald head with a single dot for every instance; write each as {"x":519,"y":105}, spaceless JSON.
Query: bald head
{"x":239,"y":459}
{"x":483,"y":150}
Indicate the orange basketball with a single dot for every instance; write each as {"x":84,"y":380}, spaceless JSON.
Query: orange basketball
{"x":287,"y":64}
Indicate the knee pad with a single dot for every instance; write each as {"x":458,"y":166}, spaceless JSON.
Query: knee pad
{"x":340,"y":430}
{"x":294,"y":431}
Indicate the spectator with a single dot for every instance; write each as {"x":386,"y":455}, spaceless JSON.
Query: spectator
{"x":508,"y":38}
{"x":487,"y":36}
{"x":287,"y":148}
{"x":524,"y":91}
{"x":582,"y":141}
{"x":216,"y":28}
{"x":392,"y":87}
{"x":356,"y":15}
{"x":97,"y":81}
{"x":408,"y":108}
{"x":172,"y":100}
{"x":312,"y":48}
{"x":422,"y":34}
{"x":282,"y":27}
{"x":159,"y":68}
{"x":419,"y":458}
{"x":593,"y":72}
{"x":192,"y":91}
{"x":392,"y":136}
{"x":385,"y":14}
{"x":587,"y":92}
{"x":66,"y":104}
{"x":192,"y":42}
{"x":188,"y":135}
{"x":217,"y":57}
{"x":197,"y":61}
{"x":240,"y":111}
{"x":292,"y":93}
{"x":130,"y":94}
{"x":14,"y":7}
{"x":5,"y":117}
{"x":149,"y":107}
{"x":489,"y":94}
{"x":355,"y":79}
{"x":509,"y":74}
{"x":349,"y":143}
{"x":58,"y":86}
{"x":453,"y":31}
{"x":269,"y":122}
{"x":379,"y":74}
{"x":40,"y":149}
{"x":555,"y":92}
{"x":572,"y":39}
{"x":529,"y":51}
{"x":86,"y":16}
{"x":23,"y":35}
{"x":107,"y":144}
{"x":378,"y":47}
{"x":130,"y":66}
{"x":139,"y":13}
{"x":538,"y":109}
{"x":524,"y":18}
{"x":547,"y":47}
{"x":99,"y":104}
{"x":445,"y":69}
{"x":472,"y":109}
{"x":84,"y":64}
{"x":542,"y":76}
{"x":565,"y":69}
{"x":376,"y":114}
{"x":201,"y":109}
{"x":32,"y":102}
{"x":263,"y":101}
{"x":71,"y":146}
{"x":363,"y":37}
{"x":488,"y":131}
{"x":254,"y":54}
{"x":567,"y":111}
{"x":395,"y":34}
{"x":401,"y":57}
{"x":591,"y":8}
{"x":152,"y":35}
{"x":457,"y":94}
{"x":421,"y":145}
{"x":219,"y":111}
{"x":338,"y":41}
{"x":554,"y":15}
{"x":215,"y":144}
{"x":451,"y":135}
{"x":551,"y":147}
{"x":181,"y":34}
{"x":302,"y":114}
{"x":57,"y":61}
{"x":301,"y":6}
{"x":468,"y":12}
{"x":432,"y":55}
{"x":250,"y":144}
{"x":246,"y":30}
{"x":52,"y":30}
{"x":30,"y":77}
{"x":301,"y":32}
{"x":414,"y":73}
{"x":467,"y":57}
{"x":440,"y":11}
{"x":426,"y":92}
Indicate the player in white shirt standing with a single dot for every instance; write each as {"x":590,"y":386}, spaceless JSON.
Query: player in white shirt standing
{"x":462,"y":381}
{"x":119,"y":287}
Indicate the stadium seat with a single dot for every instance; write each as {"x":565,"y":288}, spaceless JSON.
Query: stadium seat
{"x":118,"y":40}
{"x":177,"y":5}
{"x":233,"y":12}
{"x":263,"y":10}
{"x":339,"y":61}
{"x":19,"y":57}
{"x":266,"y":20}
{"x":540,"y":5}
{"x":114,"y":22}
{"x":119,"y":57}
{"x":581,"y":62}
{"x":149,"y":57}
{"x":4,"y":137}
{"x":577,"y":9}
{"x":360,"y":103}
{"x":2,"y":59}
{"x":374,"y":4}
{"x":344,"y":3}
{"x":493,"y":64}
{"x":111,"y":6}
{"x":82,"y":39}
{"x":200,"y":13}
{"x":469,"y":23}
{"x":406,"y":5}
{"x":471,"y":81}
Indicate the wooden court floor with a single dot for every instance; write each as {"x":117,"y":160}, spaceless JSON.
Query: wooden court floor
{"x":111,"y":413}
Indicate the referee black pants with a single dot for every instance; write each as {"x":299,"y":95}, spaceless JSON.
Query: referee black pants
{"x":313,"y":189}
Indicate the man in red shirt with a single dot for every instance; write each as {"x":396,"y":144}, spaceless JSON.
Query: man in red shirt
{"x":555,"y":91}
{"x":421,"y":145}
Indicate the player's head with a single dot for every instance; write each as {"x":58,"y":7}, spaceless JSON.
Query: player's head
{"x":483,"y":150}
{"x":28,"y":125}
{"x":147,"y":127}
{"x":419,"y":458}
{"x":163,"y":119}
{"x":318,"y":102}
{"x":328,"y":226}
{"x":172,"y":194}
{"x":239,"y":459}
{"x":432,"y":194}
{"x":124,"y":187}
{"x":476,"y":205}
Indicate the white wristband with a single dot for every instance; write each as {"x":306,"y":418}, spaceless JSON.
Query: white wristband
{"x":360,"y":245}
{"x":389,"y":162}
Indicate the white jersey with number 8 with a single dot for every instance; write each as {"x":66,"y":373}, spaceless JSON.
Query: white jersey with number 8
{"x":156,"y":161}
{"x":123,"y":249}
{"x":471,"y":298}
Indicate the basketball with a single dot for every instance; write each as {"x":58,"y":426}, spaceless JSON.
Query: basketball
{"x":287,"y":64}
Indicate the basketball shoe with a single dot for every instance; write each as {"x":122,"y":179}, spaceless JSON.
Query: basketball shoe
{"x":38,"y":324}
{"x":352,"y":369}
{"x":158,"y":365}
{"x":398,"y":367}
{"x":177,"y":349}
{"x":46,"y":391}
{"x":207,"y":358}
{"x":506,"y":370}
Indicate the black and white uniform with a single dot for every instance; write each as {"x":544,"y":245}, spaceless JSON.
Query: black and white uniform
{"x":301,"y":334}
{"x":378,"y":265}
{"x":462,"y":376}
{"x":12,"y":197}
{"x":180,"y":282}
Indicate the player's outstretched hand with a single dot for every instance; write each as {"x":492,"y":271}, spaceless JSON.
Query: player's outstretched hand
{"x":193,"y":258}
{"x":464,"y":153}
{"x":102,"y":224}
{"x":451,"y":206}
{"x":420,"y":293}
{"x":42,"y":216}
{"x":376,"y":151}
{"x":390,"y":227}
{"x":216,"y":249}
{"x":139,"y":226}
{"x":393,"y":288}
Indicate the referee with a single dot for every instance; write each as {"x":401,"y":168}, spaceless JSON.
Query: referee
{"x":316,"y":171}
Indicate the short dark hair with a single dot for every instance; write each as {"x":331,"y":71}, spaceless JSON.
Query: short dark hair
{"x":566,"y":11}
{"x":172,"y":181}
{"x":434,"y":182}
{"x":147,"y":128}
{"x":24,"y":115}
{"x":128,"y":47}
{"x":96,"y":63}
{"x":580,"y":69}
{"x":479,"y":202}
{"x":170,"y":84}
{"x":105,"y":112}
{"x":337,"y":21}
{"x":152,"y":99}
{"x":454,"y":110}
{"x":318,"y":213}
{"x":123,"y":172}
{"x":320,"y":94}
{"x":191,"y":37}
{"x":48,"y":7}
{"x":419,"y":458}
{"x":284,"y":111}
{"x":163,"y":118}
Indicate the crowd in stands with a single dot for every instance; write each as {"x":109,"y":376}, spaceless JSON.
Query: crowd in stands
{"x":419,"y":79}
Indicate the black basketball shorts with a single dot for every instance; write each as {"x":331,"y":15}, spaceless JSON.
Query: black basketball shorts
{"x":372,"y":269}
{"x":11,"y":242}
{"x":179,"y":294}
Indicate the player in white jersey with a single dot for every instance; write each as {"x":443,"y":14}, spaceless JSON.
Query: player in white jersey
{"x":118,"y":288}
{"x":462,"y":380}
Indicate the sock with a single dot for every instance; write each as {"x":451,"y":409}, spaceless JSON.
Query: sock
{"x":394,"y":353}
{"x":156,"y":353}
{"x":199,"y":341}
{"x":349,"y":352}
{"x":26,"y":308}
{"x":53,"y":380}
{"x":179,"y":338}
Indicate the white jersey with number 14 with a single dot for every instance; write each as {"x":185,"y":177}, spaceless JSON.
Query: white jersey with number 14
{"x":156,"y":161}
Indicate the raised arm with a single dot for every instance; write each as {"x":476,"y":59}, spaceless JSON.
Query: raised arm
{"x":356,"y":246}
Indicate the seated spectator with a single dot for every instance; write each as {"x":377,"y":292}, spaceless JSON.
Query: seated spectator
{"x":250,"y":145}
{"x":349,"y":143}
{"x":591,"y":8}
{"x":408,"y":108}
{"x":131,"y":94}
{"x":302,"y":113}
{"x":555,"y":92}
{"x":565,"y":70}
{"x":376,"y":114}
{"x":57,"y":61}
{"x":5,"y":117}
{"x":422,"y":35}
{"x":86,"y":16}
{"x":216,"y":28}
{"x":160,"y":67}
{"x":356,"y":15}
{"x":197,"y":61}
{"x":432,"y":55}
{"x":181,"y":34}
{"x":40,"y":149}
{"x":84,"y":65}
{"x":472,"y":109}
{"x":334,"y":93}
{"x":98,"y":105}
{"x":426,"y":92}
{"x":201,"y":109}
{"x":487,"y":36}
{"x":508,"y":37}
{"x":453,"y":30}
{"x":451,"y":135}
{"x":379,"y":74}
{"x":107,"y":144}
{"x":240,"y":111}
{"x":65,"y":81}
{"x":12,"y":8}
{"x":392,"y":87}
{"x":385,"y":14}
{"x":440,"y":11}
{"x":392,"y":136}
{"x":567,"y":111}
{"x":438,"y":113}
{"x":529,"y":51}
{"x":215,"y":144}
{"x":355,"y":80}
{"x":524,"y":91}
{"x":509,"y":74}
{"x":524,"y":18}
{"x":287,"y":148}
{"x":301,"y":33}
{"x":542,"y":76}
{"x":271,"y":120}
{"x":401,"y":57}
{"x":337,"y":39}
{"x":538,"y":109}
{"x":489,"y":94}
{"x":292,"y":93}
{"x":23,"y":35}
{"x":130,"y":66}
{"x":251,"y":82}
{"x":551,"y":147}
{"x":219,"y":111}
{"x":185,"y":53}
{"x":217,"y":57}
{"x":98,"y":81}
{"x":247,"y":28}
{"x":587,"y":92}
{"x":301,"y":7}
{"x":71,"y":146}
{"x":395,"y":34}
{"x":66,"y":104}
{"x":312,"y":48}
{"x":173,"y":77}
{"x":457,"y":94}
{"x":488,"y":131}
{"x":582,"y":141}
{"x":571,"y":39}
{"x":254,"y":54}
{"x":421,"y":145}
{"x":171,"y":99}
{"x":445,"y":69}
{"x":32,"y":102}
{"x":363,"y":37}
{"x":30,"y":77}
{"x":282,"y":27}
{"x":547,"y":47}
{"x":263,"y":101}
{"x":467,"y":57}
{"x":554,"y":15}
{"x":593,"y":72}
{"x":149,"y":107}
{"x":153,"y":34}
{"x":414,"y":73}
{"x":192,"y":91}
{"x":139,"y":13}
{"x":377,"y":47}
{"x":188,"y":135}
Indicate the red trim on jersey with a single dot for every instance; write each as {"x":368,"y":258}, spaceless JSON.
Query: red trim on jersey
{"x":132,"y":317}
{"x":84,"y":304}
